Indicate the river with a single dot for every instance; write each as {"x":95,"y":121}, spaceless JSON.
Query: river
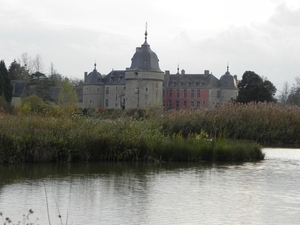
{"x":265,"y":192}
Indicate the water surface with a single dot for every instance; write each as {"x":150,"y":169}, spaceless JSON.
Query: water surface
{"x":265,"y":192}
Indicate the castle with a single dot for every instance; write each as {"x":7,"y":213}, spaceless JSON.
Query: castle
{"x":143,"y":85}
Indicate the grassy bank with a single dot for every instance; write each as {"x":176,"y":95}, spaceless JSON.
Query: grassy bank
{"x":42,"y":138}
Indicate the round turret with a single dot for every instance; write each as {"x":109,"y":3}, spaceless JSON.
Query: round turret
{"x":228,"y":81}
{"x":145,"y":59}
{"x":93,"y":77}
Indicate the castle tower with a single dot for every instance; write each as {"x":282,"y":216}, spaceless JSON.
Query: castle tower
{"x":228,"y":87}
{"x":93,"y":89}
{"x":144,"y":79}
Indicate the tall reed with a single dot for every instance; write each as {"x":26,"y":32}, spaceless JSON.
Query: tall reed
{"x":38,"y":138}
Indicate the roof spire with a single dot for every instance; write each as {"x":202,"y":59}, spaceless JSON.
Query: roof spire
{"x":227,"y":67}
{"x":146,"y":33}
{"x":95,"y":65}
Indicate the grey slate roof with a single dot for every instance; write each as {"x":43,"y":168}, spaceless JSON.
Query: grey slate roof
{"x":94,"y":77}
{"x":145,"y":59}
{"x":115,"y":77}
{"x":227,"y":81}
{"x":19,"y":87}
{"x":191,"y":81}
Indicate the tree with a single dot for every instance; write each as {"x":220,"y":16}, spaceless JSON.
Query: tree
{"x":18,"y":72}
{"x":40,"y":85}
{"x":67,"y":97}
{"x":38,"y":63}
{"x":26,"y":61}
{"x":32,"y":65}
{"x":253,"y":88}
{"x":54,"y":76}
{"x":32,"y":103}
{"x":284,"y":94}
{"x":294,"y":93}
{"x":6,"y":88}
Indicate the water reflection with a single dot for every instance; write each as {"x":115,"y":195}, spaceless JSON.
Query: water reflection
{"x":265,"y":192}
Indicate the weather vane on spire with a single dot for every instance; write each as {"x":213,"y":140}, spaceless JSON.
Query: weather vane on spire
{"x":146,"y":33}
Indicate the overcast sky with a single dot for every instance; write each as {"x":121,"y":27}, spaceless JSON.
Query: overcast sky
{"x":258,"y":35}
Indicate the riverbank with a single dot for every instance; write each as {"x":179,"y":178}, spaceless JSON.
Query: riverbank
{"x":42,"y":138}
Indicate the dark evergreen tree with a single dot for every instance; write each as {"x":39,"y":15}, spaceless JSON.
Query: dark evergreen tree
{"x":40,"y":85}
{"x":253,"y":88}
{"x":6,"y":88}
{"x":18,"y":72}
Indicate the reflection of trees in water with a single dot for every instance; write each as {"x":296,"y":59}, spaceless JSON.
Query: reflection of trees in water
{"x":91,"y":190}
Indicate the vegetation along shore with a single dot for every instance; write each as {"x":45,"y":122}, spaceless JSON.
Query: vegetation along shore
{"x":234,"y":132}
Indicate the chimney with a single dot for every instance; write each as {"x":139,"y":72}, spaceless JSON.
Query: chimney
{"x":167,"y":72}
{"x":206,"y":72}
{"x":182,"y":72}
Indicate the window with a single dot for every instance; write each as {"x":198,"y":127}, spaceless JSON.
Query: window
{"x":192,"y":104}
{"x":185,"y":93}
{"x":177,"y":104}
{"x":177,"y":93}
{"x":107,"y":90}
{"x":203,"y":103}
{"x":198,"y":104}
{"x":170,"y":93}
{"x":198,"y":93}
{"x":170,"y":104}
{"x":184,"y":103}
{"x":192,"y":93}
{"x":106,"y":102}
{"x":164,"y":93}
